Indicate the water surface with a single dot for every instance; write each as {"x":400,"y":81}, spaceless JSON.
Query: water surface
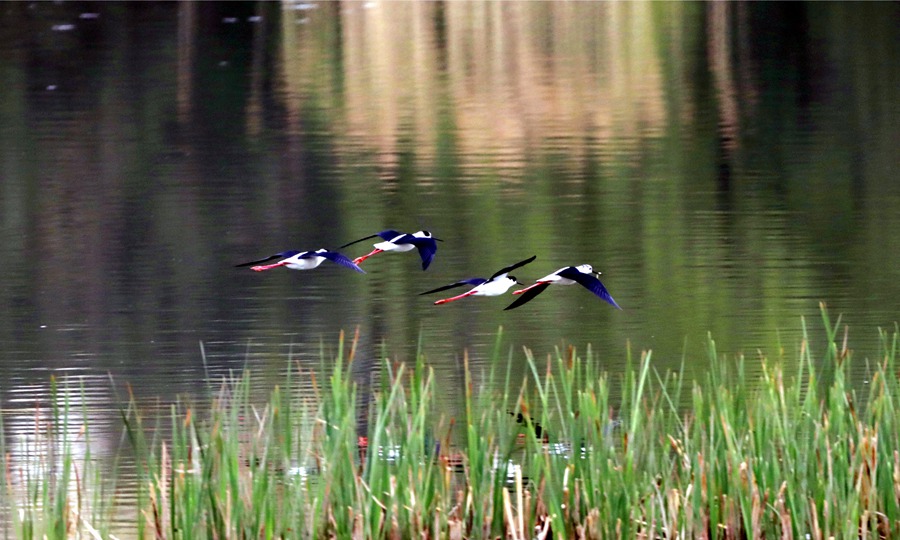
{"x":726,"y":166}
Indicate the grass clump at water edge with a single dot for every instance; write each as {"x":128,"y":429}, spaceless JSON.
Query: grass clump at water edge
{"x":568,"y":452}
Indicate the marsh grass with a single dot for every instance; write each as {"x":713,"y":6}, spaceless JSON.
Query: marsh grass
{"x":54,"y":489}
{"x":754,"y":449}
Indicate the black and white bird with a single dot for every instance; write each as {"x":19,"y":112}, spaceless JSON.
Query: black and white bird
{"x":400,"y":242}
{"x":496,"y":285}
{"x":302,"y":260}
{"x":582,"y":274}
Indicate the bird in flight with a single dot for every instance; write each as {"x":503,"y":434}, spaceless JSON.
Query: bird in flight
{"x":302,"y":260}
{"x":400,"y":242}
{"x":582,"y":274}
{"x":496,"y":285}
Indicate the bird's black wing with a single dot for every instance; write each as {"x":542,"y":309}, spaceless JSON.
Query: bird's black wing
{"x":591,"y":283}
{"x":339,"y":258}
{"x":390,"y":234}
{"x":474,"y":282}
{"x":427,"y":248}
{"x":282,"y":255}
{"x":527,"y":296}
{"x":384,"y":235}
{"x":509,"y":269}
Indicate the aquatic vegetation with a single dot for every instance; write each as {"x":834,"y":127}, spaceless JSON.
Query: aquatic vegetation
{"x":55,"y":489}
{"x":756,"y":448}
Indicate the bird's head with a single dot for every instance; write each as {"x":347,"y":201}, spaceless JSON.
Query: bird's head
{"x":586,"y":269}
{"x":425,"y":234}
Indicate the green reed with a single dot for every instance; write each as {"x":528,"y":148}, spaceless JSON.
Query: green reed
{"x":53,"y":486}
{"x":753,"y":448}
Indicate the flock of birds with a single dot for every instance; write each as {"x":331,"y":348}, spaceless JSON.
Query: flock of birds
{"x":426,"y":244}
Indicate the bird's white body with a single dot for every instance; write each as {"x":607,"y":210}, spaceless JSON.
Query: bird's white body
{"x":391,"y":246}
{"x":495,"y":287}
{"x":296,"y":263}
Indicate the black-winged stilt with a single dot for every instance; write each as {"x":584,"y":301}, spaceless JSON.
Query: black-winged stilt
{"x":398,"y":241}
{"x":582,"y":274}
{"x":496,"y":285}
{"x":302,"y":260}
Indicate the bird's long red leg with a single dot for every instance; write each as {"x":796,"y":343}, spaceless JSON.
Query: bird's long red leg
{"x":267,"y":266}
{"x":463,"y":295}
{"x":520,"y":291}
{"x":364,"y":257}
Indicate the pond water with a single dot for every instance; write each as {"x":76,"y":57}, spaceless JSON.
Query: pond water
{"x":726,"y":166}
